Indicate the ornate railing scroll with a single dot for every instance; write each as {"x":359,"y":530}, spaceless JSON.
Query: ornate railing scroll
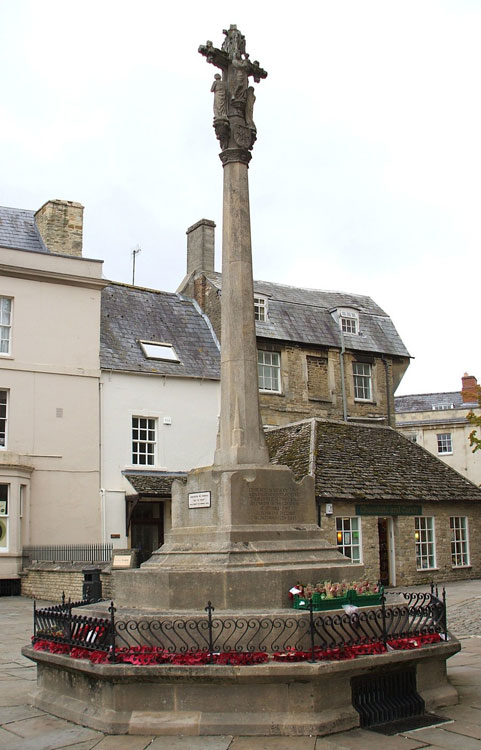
{"x":409,"y":615}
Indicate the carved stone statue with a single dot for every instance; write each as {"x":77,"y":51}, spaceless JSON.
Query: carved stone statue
{"x":233,"y":97}
{"x":219,"y":89}
{"x":241,"y":78}
{"x":250,"y":101}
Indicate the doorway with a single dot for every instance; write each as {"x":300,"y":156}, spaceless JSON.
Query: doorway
{"x":387,"y":574}
{"x":147,"y":528}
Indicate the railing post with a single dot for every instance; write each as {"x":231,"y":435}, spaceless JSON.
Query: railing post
{"x":63,"y":598}
{"x":383,"y":616}
{"x":312,"y":630}
{"x":209,"y":609}
{"x":34,"y":617}
{"x":445,"y":615}
{"x":69,"y":623}
{"x":112,"y":656}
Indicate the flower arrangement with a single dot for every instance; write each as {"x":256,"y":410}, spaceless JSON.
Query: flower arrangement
{"x":152,"y":655}
{"x":329,"y":590}
{"x":329,"y":595}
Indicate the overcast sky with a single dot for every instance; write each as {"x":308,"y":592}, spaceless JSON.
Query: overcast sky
{"x":366,"y":175}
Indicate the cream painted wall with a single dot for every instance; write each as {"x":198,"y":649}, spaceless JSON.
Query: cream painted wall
{"x":426,"y":425}
{"x":188,"y":442}
{"x":52,"y":378}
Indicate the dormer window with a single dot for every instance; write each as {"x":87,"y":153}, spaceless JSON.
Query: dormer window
{"x":159,"y":350}
{"x":260,"y":308}
{"x":349,"y":321}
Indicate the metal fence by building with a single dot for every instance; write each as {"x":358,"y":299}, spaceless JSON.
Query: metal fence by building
{"x":88,"y":553}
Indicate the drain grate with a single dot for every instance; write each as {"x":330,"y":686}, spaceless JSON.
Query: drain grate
{"x":409,"y":725}
{"x":386,"y":697}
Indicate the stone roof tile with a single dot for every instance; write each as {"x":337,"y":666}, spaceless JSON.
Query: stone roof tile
{"x":361,"y":463}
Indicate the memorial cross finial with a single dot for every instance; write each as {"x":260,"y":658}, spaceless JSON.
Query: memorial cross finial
{"x":233,"y":97}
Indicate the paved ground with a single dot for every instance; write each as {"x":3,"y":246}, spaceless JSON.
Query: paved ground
{"x":25,"y":728}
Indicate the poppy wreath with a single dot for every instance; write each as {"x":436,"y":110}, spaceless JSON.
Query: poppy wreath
{"x":146,"y":655}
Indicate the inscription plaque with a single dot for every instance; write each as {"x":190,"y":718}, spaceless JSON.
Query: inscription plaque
{"x":122,"y":561}
{"x":273,"y":505}
{"x":199,"y":499}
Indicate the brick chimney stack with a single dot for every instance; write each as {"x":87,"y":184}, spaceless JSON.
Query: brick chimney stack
{"x":469,"y":390}
{"x":201,"y":246}
{"x":60,"y":224}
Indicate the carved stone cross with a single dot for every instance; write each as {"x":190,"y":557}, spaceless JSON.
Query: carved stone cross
{"x":233,"y":97}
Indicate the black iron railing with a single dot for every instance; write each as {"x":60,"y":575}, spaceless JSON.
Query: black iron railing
{"x":88,"y":553}
{"x":416,"y":614}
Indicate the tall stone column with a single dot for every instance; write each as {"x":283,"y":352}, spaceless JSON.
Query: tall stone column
{"x":241,"y":437}
{"x":241,"y":526}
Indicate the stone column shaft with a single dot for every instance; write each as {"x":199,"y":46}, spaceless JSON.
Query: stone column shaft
{"x":241,"y":437}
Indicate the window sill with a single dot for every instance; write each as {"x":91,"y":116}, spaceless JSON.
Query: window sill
{"x":365,"y":401}
{"x":426,"y":570}
{"x":270,"y":393}
{"x":446,"y":453}
{"x":461,"y":567}
{"x":5,"y":356}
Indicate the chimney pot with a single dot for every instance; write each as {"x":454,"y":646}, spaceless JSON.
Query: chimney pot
{"x":60,"y":224}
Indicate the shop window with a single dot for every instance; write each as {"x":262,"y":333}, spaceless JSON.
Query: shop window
{"x":459,"y":541}
{"x":425,"y":546}
{"x":348,"y":537}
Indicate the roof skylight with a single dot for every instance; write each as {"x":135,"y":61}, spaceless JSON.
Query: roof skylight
{"x":159,"y":350}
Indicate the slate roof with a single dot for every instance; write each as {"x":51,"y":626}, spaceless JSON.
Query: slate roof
{"x":130,"y":314}
{"x":425,"y":401}
{"x":302,"y":315}
{"x":152,"y":483}
{"x":19,"y":231}
{"x":365,"y":463}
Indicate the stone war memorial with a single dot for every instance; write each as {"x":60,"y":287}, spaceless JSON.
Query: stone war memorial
{"x":223,"y":652}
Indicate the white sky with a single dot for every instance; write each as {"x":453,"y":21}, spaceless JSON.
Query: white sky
{"x":366,"y":176}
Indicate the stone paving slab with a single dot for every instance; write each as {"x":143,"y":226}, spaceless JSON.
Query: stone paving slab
{"x":441,"y":738}
{"x":80,"y":746}
{"x":8,"y":714}
{"x":189,"y":743}
{"x":126,"y":742}
{"x":362,"y":739}
{"x":273,"y":743}
{"x":464,"y":729}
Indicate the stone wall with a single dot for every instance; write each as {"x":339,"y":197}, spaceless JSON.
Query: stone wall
{"x":49,"y":580}
{"x":404,"y":543}
{"x":311,"y":386}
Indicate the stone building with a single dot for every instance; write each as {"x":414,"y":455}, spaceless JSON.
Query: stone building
{"x":385,"y":501}
{"x":49,"y":383}
{"x":437,"y":421}
{"x":325,"y":354}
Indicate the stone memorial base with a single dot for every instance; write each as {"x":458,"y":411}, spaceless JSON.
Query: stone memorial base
{"x":267,"y":699}
{"x":240,"y":538}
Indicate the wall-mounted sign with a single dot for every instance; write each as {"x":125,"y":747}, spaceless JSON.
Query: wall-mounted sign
{"x":124,"y":559}
{"x":392,"y":509}
{"x":199,"y":499}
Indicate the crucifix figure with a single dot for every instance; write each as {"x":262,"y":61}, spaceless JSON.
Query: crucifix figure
{"x":233,"y":97}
